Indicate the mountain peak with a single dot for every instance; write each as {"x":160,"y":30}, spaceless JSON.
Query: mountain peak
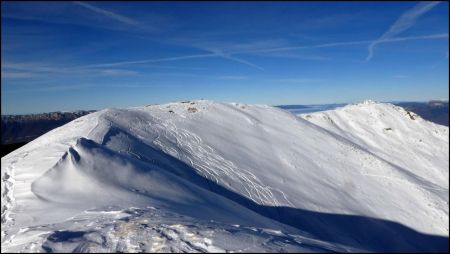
{"x":200,"y":162}
{"x":365,"y":102}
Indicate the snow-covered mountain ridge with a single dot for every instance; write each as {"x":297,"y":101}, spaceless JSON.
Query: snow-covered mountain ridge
{"x":369,"y":177}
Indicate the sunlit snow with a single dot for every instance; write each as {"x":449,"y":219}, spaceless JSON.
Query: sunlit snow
{"x":200,"y":176}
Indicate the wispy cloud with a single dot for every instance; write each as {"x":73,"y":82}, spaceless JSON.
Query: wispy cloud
{"x":143,"y":85}
{"x":110,"y":14}
{"x":31,"y":66}
{"x":223,"y":47}
{"x":404,"y":22}
{"x":232,"y":58}
{"x":298,"y":80}
{"x":47,"y":88}
{"x":39,"y":70}
{"x":117,"y":72}
{"x":326,"y":45}
{"x":422,"y":37}
{"x":87,"y":15}
{"x":153,"y":60}
{"x":233,"y":77}
{"x":240,"y":60}
{"x":169,"y":67}
{"x":58,"y":88}
{"x":345,"y":43}
{"x":443,"y":60}
{"x":44,"y":71}
{"x":17,"y":74}
{"x":29,"y":70}
{"x":291,"y":55}
{"x":400,"y":76}
{"x":213,"y":53}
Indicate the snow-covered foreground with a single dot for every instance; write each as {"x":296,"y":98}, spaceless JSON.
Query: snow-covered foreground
{"x":211,"y":177}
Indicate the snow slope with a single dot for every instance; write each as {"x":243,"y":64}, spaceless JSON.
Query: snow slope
{"x":205,"y":176}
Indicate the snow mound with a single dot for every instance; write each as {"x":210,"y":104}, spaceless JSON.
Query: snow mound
{"x":394,"y":134}
{"x":363,"y":177}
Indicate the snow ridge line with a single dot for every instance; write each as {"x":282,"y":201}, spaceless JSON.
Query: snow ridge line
{"x":8,"y":195}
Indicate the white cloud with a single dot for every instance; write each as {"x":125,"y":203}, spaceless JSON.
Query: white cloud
{"x":404,"y":22}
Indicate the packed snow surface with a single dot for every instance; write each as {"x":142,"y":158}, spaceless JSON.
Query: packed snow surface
{"x":200,"y":176}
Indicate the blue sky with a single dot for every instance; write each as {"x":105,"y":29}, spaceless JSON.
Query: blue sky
{"x":93,"y":55}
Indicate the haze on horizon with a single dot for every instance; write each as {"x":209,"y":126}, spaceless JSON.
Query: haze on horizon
{"x":92,"y":55}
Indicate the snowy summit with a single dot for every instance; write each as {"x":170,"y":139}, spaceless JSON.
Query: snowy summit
{"x":200,"y":176}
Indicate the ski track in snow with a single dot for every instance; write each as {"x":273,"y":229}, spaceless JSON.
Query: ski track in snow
{"x":213,"y":166}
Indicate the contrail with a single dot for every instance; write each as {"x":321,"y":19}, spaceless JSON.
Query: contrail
{"x":110,"y":14}
{"x":346,"y":43}
{"x":404,"y":22}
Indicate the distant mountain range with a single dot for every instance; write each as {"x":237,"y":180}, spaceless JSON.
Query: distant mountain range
{"x":434,"y":111}
{"x":24,"y":128}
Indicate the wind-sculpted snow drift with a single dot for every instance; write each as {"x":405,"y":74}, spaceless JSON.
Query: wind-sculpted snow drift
{"x":206,"y":177}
